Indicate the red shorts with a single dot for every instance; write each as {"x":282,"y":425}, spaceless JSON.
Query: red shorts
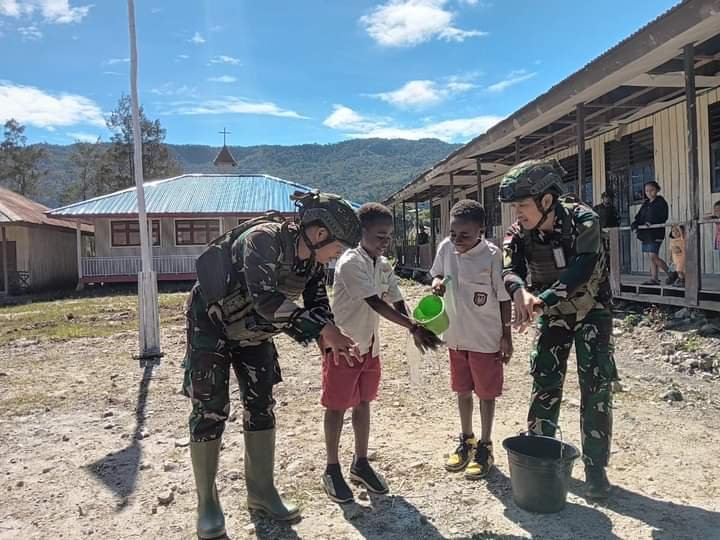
{"x":344,"y":387}
{"x":481,"y":372}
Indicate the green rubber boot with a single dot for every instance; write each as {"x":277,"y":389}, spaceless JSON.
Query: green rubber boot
{"x":597,"y":485}
{"x":259,"y":476}
{"x":210,"y":518}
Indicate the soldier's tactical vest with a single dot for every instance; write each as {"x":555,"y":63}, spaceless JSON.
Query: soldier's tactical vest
{"x":543,"y":270}
{"x":223,"y":286}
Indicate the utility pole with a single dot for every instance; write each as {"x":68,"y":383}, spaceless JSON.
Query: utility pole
{"x":149,"y":346}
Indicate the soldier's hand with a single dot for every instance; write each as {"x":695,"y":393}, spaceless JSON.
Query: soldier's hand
{"x":438,"y":287}
{"x":527,"y":308}
{"x":341,"y":345}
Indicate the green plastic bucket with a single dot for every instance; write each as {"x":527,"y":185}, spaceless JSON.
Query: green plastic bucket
{"x":430,"y":312}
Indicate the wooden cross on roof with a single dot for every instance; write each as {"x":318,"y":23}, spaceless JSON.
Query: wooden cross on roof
{"x":224,"y":132}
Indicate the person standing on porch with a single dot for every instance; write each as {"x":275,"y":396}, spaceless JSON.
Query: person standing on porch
{"x":606,"y":210}
{"x":555,"y":272}
{"x":654,"y":211}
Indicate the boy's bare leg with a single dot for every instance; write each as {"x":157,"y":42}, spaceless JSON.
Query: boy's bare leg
{"x":487,"y":414}
{"x":361,"y":427}
{"x":465,"y":406}
{"x":333,"y":429}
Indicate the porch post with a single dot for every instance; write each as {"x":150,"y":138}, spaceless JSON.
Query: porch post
{"x":517,"y":150}
{"x":478,"y":168}
{"x":417,"y":233}
{"x":78,"y":242}
{"x":395,"y":233}
{"x":404,"y":238}
{"x":580,"y":115}
{"x":693,"y":262}
{"x":432,"y":226}
{"x":452,"y":189}
{"x":6,"y":278}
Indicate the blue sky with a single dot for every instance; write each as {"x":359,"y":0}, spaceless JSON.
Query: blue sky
{"x":292,"y":72}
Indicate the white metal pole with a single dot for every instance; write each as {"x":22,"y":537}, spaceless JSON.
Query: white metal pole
{"x":147,"y":284}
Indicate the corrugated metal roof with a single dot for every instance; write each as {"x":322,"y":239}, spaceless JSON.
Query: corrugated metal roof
{"x":196,"y":194}
{"x":18,"y":210}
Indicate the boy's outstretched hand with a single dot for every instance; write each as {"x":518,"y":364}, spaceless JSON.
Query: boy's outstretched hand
{"x":424,"y":338}
{"x":438,"y":287}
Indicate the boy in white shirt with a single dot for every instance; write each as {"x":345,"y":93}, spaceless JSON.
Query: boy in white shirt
{"x":365,"y":288}
{"x":478,"y":338}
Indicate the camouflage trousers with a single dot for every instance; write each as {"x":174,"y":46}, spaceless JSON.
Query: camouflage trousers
{"x":207,"y":380}
{"x":594,"y":349}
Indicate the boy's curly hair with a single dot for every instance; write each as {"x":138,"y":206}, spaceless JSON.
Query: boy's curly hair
{"x":469,"y":210}
{"x":371,"y":213}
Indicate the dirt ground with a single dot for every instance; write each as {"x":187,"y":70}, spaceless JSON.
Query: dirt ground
{"x":94,"y":447}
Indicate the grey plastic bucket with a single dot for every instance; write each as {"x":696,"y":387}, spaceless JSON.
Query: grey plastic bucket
{"x":540,"y":471}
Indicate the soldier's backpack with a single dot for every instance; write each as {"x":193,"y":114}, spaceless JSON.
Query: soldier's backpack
{"x":216,"y":272}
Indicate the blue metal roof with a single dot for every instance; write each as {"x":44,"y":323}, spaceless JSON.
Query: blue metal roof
{"x":196,"y":194}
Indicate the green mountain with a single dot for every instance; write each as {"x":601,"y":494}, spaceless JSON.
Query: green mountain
{"x":361,"y":170}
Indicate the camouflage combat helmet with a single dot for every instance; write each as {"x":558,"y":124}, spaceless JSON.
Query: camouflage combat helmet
{"x":532,"y":178}
{"x":333,"y":212}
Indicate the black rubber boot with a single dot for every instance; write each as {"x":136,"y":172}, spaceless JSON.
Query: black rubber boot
{"x":259,"y":476}
{"x":597,"y":485}
{"x":210,"y":518}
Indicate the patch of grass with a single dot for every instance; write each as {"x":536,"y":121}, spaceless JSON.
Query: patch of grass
{"x":631,"y":321}
{"x":691,"y":344}
{"x":75,"y":318}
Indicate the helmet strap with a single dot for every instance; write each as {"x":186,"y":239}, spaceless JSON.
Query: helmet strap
{"x":313,"y":247}
{"x":545,"y":213}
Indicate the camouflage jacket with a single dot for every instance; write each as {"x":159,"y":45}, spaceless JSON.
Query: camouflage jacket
{"x":266,"y":299}
{"x":530,"y":260}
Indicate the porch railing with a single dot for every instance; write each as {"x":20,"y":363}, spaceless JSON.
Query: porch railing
{"x":129,"y":266}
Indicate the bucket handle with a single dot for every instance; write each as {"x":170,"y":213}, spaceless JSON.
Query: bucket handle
{"x":553,"y":424}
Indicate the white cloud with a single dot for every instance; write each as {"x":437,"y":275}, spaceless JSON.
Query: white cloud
{"x":345,"y":119}
{"x":223,"y":79}
{"x":52,"y":11}
{"x":231,"y":105}
{"x":172,"y":89}
{"x":114,"y":61}
{"x":30,"y":33}
{"x":82,"y":137}
{"x":515,"y":77}
{"x":181,"y":57}
{"x":30,"y":105}
{"x":403,"y":23}
{"x":197,"y":39}
{"x":357,"y":126}
{"x":423,"y":93}
{"x":156,"y":10}
{"x":413,"y":94}
{"x":224,"y":59}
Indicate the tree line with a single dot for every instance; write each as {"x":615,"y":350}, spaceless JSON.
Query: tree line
{"x":97,"y":167}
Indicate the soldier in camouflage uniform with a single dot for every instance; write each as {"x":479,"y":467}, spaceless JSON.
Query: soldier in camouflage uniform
{"x":250,"y":282}
{"x":555,"y":270}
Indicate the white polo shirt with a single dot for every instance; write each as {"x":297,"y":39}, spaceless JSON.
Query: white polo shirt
{"x":357,"y":277}
{"x":473,"y":304}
